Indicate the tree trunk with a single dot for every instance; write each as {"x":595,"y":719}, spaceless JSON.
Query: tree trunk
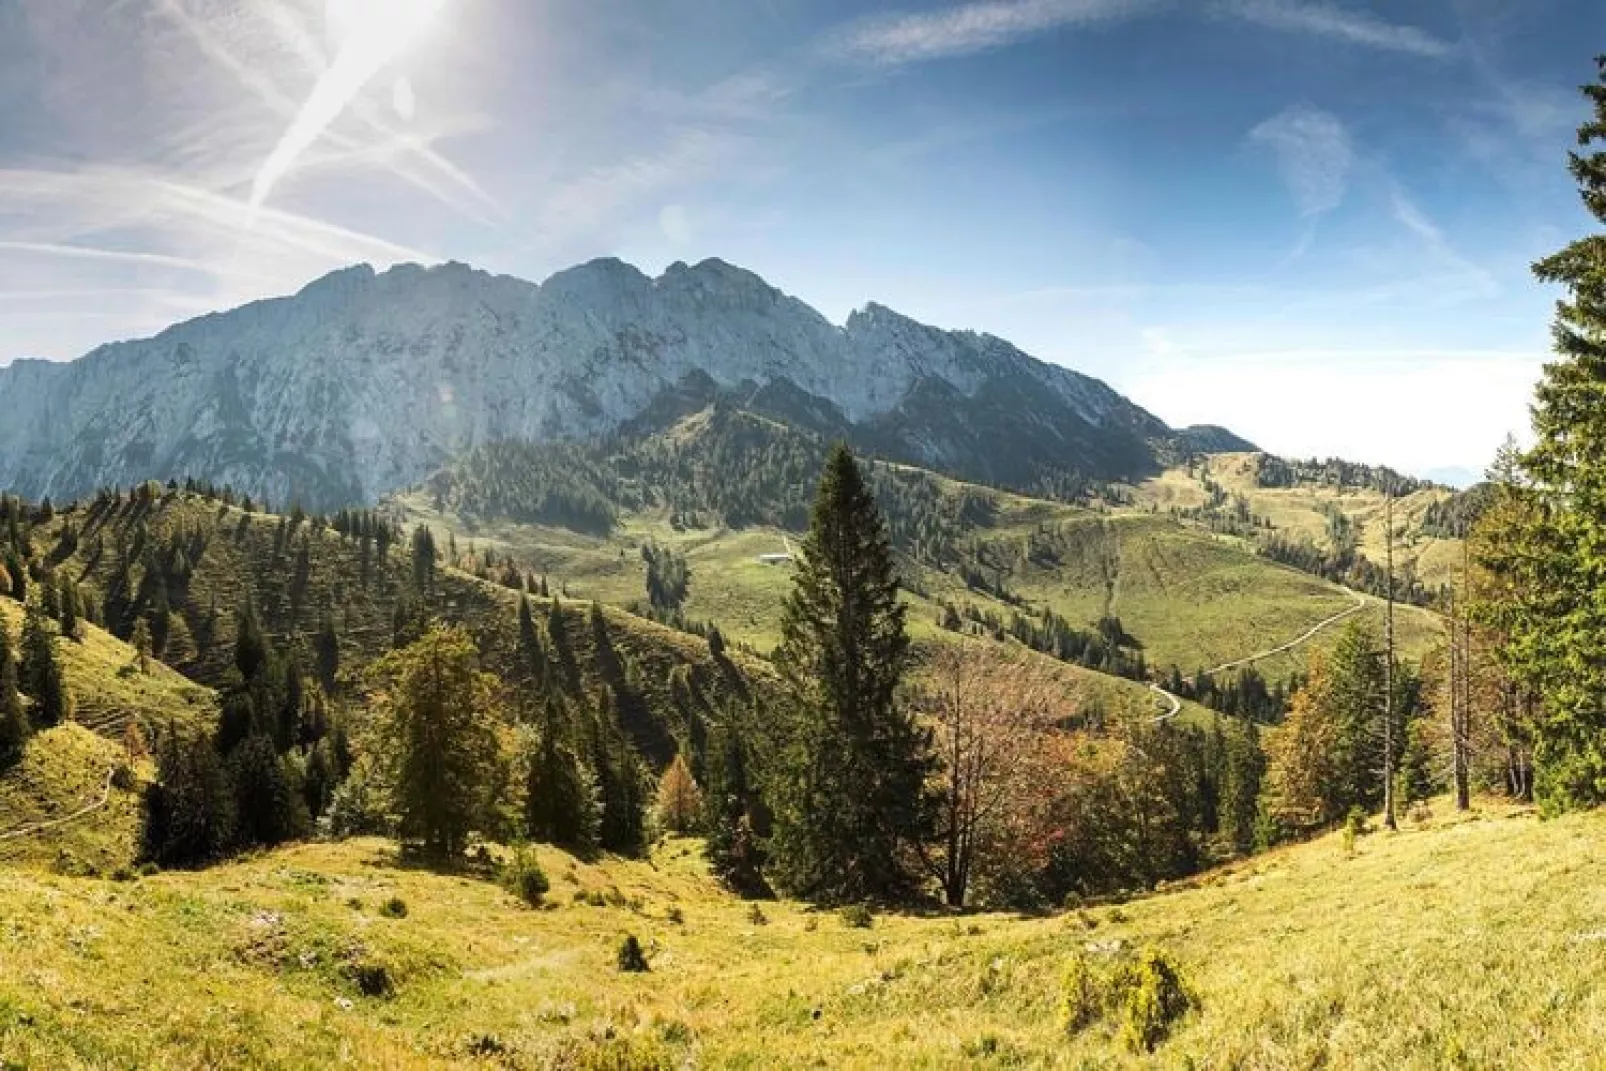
{"x":1388,"y":665}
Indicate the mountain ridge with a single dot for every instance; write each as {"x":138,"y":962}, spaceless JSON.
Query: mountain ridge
{"x":363,"y":382}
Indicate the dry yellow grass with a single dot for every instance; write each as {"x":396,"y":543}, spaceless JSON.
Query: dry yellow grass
{"x":1472,"y":942}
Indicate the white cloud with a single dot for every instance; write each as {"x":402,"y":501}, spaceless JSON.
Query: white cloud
{"x":895,"y":40}
{"x":1314,"y":155}
{"x":1339,"y":24}
{"x":1364,"y":405}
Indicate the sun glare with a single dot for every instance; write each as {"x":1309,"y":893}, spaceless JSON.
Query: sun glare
{"x":368,"y":35}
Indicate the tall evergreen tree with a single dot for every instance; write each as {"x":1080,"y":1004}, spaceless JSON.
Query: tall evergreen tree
{"x":250,"y":645}
{"x":40,"y":672}
{"x":1561,"y":641}
{"x":71,"y":609}
{"x":562,"y":802}
{"x":851,"y":805}
{"x":189,"y":809}
{"x":438,"y":727}
{"x":327,"y":650}
{"x":268,"y":808}
{"x":735,"y":853}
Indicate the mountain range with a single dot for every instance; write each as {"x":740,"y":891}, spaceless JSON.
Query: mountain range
{"x":364,"y":383}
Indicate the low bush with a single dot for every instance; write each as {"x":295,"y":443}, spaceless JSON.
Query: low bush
{"x":1138,"y":997}
{"x":523,"y":877}
{"x":857,"y":916}
{"x":631,"y":959}
{"x":394,"y":908}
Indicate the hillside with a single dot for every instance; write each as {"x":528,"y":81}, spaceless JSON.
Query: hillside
{"x":65,"y":771}
{"x":364,"y":383}
{"x":1426,"y":948}
{"x":724,"y":487}
{"x":1304,"y":511}
{"x":230,"y":555}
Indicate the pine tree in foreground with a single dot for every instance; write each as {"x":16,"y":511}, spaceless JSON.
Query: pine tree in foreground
{"x":851,"y":807}
{"x":1559,"y":640}
{"x":438,"y":728}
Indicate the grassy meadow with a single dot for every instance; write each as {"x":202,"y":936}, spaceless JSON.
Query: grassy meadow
{"x":1469,"y":941}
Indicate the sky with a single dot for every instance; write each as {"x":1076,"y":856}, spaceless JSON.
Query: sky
{"x":1311,"y":221}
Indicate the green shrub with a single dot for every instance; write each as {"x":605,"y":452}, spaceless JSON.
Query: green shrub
{"x":523,"y":877}
{"x":756,"y":916}
{"x":1139,"y":997}
{"x":631,"y":958}
{"x":1354,"y":828}
{"x":857,"y":916}
{"x":394,"y":908}
{"x":373,"y":979}
{"x":677,"y":916}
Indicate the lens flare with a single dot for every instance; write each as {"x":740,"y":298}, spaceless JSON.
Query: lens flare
{"x":369,"y":36}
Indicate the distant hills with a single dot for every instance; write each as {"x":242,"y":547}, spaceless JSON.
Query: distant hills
{"x":364,"y":383}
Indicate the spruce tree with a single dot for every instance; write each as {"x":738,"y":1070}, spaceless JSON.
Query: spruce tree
{"x":13,"y":721}
{"x":327,"y":649}
{"x":250,"y":646}
{"x":141,"y":642}
{"x":851,"y":805}
{"x":189,"y":810}
{"x":438,"y":732}
{"x":562,"y":800}
{"x":40,"y":672}
{"x":268,"y":807}
{"x":71,"y":609}
{"x":735,"y":853}
{"x":1561,"y":638}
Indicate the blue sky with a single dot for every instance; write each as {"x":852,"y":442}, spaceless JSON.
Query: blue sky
{"x":1309,"y":221}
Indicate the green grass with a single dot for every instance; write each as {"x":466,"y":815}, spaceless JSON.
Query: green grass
{"x":1427,"y":948}
{"x":63,"y":771}
{"x":1296,"y":512}
{"x":107,"y":690}
{"x":1193,"y":599}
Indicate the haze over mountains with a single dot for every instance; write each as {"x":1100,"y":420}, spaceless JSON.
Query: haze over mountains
{"x":363,"y":383}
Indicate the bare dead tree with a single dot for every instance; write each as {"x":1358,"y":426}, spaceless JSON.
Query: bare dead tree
{"x":1388,"y":661}
{"x":1461,"y":686}
{"x":987,"y":721}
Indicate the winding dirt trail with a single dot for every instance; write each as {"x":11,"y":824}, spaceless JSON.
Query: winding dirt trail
{"x":1304,"y":637}
{"x":28,"y":831}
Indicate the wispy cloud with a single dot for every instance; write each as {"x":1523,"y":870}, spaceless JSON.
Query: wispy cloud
{"x":896,"y":40}
{"x":1470,"y":279}
{"x":1354,"y":27}
{"x":1314,"y":155}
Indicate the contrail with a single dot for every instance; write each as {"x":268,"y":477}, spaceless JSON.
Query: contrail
{"x":379,"y":33}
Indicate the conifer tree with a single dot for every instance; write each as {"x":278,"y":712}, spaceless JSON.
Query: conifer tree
{"x":731,"y":842}
{"x":1559,"y":640}
{"x":268,"y":807}
{"x":141,"y":642}
{"x":189,"y":810}
{"x":562,"y":802}
{"x":327,"y":650}
{"x":13,"y":721}
{"x":680,"y":801}
{"x":40,"y":672}
{"x":437,"y":723}
{"x":71,"y":610}
{"x":851,"y":806}
{"x":250,"y":646}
